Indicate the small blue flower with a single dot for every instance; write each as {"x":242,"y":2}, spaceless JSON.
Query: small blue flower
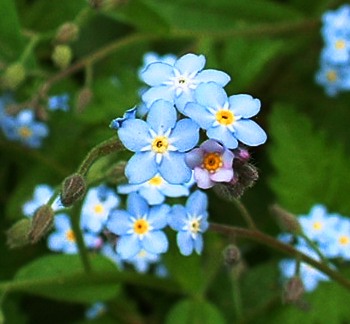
{"x":109,"y":252}
{"x":118,"y":122}
{"x":98,"y":202}
{"x":159,"y":144}
{"x":152,"y":57}
{"x":226,"y":119}
{"x":59,"y":102}
{"x":96,"y":310}
{"x":139,"y":227}
{"x":142,"y":260}
{"x":156,"y":189}
{"x":25,"y":129}
{"x":6,"y":121}
{"x":176,"y":83}
{"x":63,"y":238}
{"x":190,"y":222}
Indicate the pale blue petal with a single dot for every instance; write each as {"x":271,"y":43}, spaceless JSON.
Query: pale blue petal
{"x":157,"y":216}
{"x":175,"y":190}
{"x":185,"y":135}
{"x":128,"y":246}
{"x":152,"y":195}
{"x":197,"y":203}
{"x":56,"y":241}
{"x":134,"y":134}
{"x":198,"y":244}
{"x":190,"y":63}
{"x":222,"y":175}
{"x":212,"y":146}
{"x":174,"y":169}
{"x":199,"y":114}
{"x":153,"y":94}
{"x":177,"y":217}
{"x":204,"y":225}
{"x":249,"y":132}
{"x":119,"y":222}
{"x":211,"y":95}
{"x":137,"y":206}
{"x":141,"y":167}
{"x":62,"y":222}
{"x":161,"y":116}
{"x":185,"y":242}
{"x":25,"y":117}
{"x":183,"y":99}
{"x":202,"y":178}
{"x":194,"y":158}
{"x":224,"y":135}
{"x":157,"y":73}
{"x":128,"y":188}
{"x":216,"y":76}
{"x":244,"y":105}
{"x":155,"y":242}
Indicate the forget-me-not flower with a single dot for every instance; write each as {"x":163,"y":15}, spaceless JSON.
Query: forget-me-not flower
{"x":142,"y":260}
{"x":159,"y":144}
{"x":139,"y":227}
{"x":226,"y":119}
{"x":190,"y":222}
{"x":59,"y":102}
{"x":152,"y":57}
{"x":176,"y":83}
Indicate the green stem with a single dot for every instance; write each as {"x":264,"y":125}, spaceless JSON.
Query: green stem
{"x":315,"y":248}
{"x":282,"y":247}
{"x":245,"y":213}
{"x":108,"y":146}
{"x":236,"y":294}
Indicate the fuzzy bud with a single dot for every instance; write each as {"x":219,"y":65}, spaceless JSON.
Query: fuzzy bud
{"x":62,"y":56}
{"x":293,"y":290}
{"x":41,"y":224}
{"x":83,"y":99}
{"x":232,"y":255}
{"x":14,"y":75}
{"x":73,"y":189}
{"x":286,"y":221}
{"x":66,"y":33}
{"x":17,"y":235}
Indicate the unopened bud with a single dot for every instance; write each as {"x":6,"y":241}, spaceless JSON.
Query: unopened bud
{"x":14,"y":75}
{"x":73,"y":189}
{"x":293,"y":290}
{"x":62,"y":56}
{"x":232,"y":255}
{"x":17,"y":235}
{"x":286,"y":221}
{"x":96,"y":4}
{"x":66,"y":33}
{"x":84,"y":98}
{"x":41,"y":224}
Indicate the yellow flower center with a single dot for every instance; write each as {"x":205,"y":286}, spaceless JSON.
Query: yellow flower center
{"x":225,"y":117}
{"x":98,"y":209}
{"x":25,"y":132}
{"x":212,"y":162}
{"x":340,"y":44}
{"x":156,"y":181}
{"x":194,"y":226}
{"x":317,"y":226}
{"x":70,"y":236}
{"x":141,"y":226}
{"x":344,"y":240}
{"x":331,"y":76}
{"x":160,"y":144}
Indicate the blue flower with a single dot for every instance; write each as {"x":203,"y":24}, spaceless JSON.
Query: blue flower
{"x":152,"y":57}
{"x":109,"y":252}
{"x":156,"y":189}
{"x":176,"y":83}
{"x":98,"y":202}
{"x":59,"y":102}
{"x":159,"y":144}
{"x":96,"y":310}
{"x":139,"y":227}
{"x":6,"y":121}
{"x":226,"y":119}
{"x":25,"y":129}
{"x":308,"y":274}
{"x":190,"y":221}
{"x":63,"y":238}
{"x":42,"y":194}
{"x":118,"y":122}
{"x":142,"y":260}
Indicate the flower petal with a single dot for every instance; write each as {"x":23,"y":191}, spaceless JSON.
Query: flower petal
{"x":190,"y":63}
{"x":212,"y":146}
{"x":222,"y":175}
{"x":211,"y":95}
{"x":249,"y":132}
{"x":134,"y":134}
{"x":153,"y":94}
{"x":119,"y":222}
{"x":194,"y":158}
{"x":216,"y":76}
{"x":197,"y":203}
{"x":202,"y":178}
{"x":198,"y":244}
{"x":244,"y":105}
{"x":128,"y":246}
{"x":174,"y":169}
{"x":161,"y":116}
{"x":185,"y":135}
{"x":224,"y":135}
{"x":155,"y":242}
{"x":199,"y":114}
{"x":157,"y":73}
{"x":152,"y":195}
{"x":141,"y":167}
{"x":136,"y":205}
{"x":184,"y":242}
{"x":176,"y":217}
{"x":157,"y":216}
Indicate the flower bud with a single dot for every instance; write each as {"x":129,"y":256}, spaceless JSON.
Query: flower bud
{"x":73,"y":189}
{"x":41,"y":224}
{"x":17,"y":235}
{"x":13,"y":76}
{"x":62,"y":56}
{"x":232,"y":255}
{"x":66,"y":33}
{"x":96,"y":4}
{"x":286,"y":221}
{"x":83,"y":99}
{"x":293,"y":290}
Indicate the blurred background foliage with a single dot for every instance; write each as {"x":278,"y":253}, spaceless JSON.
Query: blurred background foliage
{"x":271,"y":50}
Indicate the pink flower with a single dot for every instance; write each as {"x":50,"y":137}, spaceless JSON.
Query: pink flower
{"x":211,"y":162}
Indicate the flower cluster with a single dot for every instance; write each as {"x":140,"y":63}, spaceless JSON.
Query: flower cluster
{"x":334,"y":72}
{"x":331,"y":235}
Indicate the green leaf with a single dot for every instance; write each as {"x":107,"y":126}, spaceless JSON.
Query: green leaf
{"x":194,"y":312}
{"x":309,"y":168}
{"x":65,"y":278}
